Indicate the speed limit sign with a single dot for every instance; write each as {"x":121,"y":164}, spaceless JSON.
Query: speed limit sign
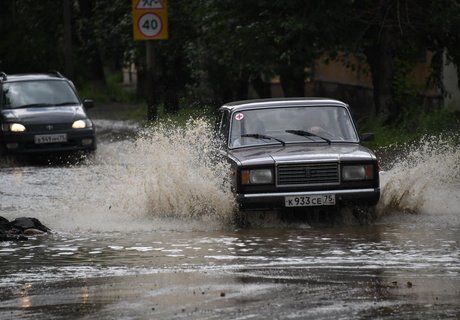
{"x":150,"y":19}
{"x":150,"y":25}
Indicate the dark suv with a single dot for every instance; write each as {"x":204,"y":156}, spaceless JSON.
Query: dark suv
{"x":43,"y":113}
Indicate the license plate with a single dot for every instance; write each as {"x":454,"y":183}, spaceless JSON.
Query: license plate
{"x":311,"y":200}
{"x":50,"y":138}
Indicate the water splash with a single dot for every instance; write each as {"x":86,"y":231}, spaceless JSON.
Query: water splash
{"x":167,"y":171}
{"x":184,"y":177}
{"x":155,"y":179}
{"x":424,"y":178}
{"x":159,"y":177}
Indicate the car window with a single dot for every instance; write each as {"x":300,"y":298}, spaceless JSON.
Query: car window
{"x":44,"y":92}
{"x":333,"y":123}
{"x":222,"y":125}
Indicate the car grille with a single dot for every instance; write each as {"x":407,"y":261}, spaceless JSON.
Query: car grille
{"x":307,"y":174}
{"x":49,"y":127}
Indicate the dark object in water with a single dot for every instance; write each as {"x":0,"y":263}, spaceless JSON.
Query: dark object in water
{"x":17,"y":229}
{"x":28,"y":223}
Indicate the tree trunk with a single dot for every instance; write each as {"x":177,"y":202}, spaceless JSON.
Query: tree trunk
{"x":68,"y":51}
{"x":380,"y":57}
{"x":261,"y":87}
{"x":292,"y":78}
{"x":92,"y":63}
{"x":242,"y":86}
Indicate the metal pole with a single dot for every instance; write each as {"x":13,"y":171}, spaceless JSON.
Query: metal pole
{"x":151,"y":83}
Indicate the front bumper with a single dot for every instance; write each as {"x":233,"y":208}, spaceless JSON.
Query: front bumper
{"x":276,"y":200}
{"x":13,"y":143}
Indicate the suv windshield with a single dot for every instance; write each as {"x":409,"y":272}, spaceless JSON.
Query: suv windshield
{"x":22,"y":94}
{"x":291,"y":125}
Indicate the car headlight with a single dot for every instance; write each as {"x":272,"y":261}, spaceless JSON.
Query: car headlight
{"x":257,"y":176}
{"x":358,"y":172}
{"x":13,"y":127}
{"x":81,"y":124}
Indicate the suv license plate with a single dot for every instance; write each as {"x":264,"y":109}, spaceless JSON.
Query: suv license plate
{"x":308,"y":201}
{"x":50,"y":138}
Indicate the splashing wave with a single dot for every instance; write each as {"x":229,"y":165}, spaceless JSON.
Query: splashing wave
{"x":168,"y":171}
{"x":424,"y":179}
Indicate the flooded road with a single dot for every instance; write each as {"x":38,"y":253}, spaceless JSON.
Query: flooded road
{"x":142,"y":230}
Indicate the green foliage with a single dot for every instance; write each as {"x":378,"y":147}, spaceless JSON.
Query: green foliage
{"x":113,"y":28}
{"x":405,"y":91}
{"x":422,"y":123}
{"x":113,"y":91}
{"x":217,"y":48}
{"x":31,"y":36}
{"x":187,"y":113}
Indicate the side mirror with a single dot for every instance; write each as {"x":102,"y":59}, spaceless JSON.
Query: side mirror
{"x":367,"y":136}
{"x":88,"y":103}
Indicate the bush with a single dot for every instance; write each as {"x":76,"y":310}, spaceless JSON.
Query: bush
{"x":412,"y":127}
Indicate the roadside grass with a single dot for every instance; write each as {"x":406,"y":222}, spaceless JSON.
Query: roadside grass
{"x":113,"y":91}
{"x":119,"y":99}
{"x":413,"y":127}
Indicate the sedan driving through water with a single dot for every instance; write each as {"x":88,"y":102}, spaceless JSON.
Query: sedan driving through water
{"x":297,"y":153}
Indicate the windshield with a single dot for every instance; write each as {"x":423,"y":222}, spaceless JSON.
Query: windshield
{"x":22,"y":94}
{"x":291,"y":125}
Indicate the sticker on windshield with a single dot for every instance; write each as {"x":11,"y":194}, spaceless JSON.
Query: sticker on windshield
{"x":239,"y":116}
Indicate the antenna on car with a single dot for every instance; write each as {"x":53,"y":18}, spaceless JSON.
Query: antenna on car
{"x":3,"y":76}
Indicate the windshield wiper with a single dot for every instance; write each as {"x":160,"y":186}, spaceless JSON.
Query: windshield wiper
{"x":262,"y":136}
{"x":32,"y":105}
{"x":69,"y":103}
{"x":304,"y":133}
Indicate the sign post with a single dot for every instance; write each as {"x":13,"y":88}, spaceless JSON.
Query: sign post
{"x":150,"y":22}
{"x":150,"y":19}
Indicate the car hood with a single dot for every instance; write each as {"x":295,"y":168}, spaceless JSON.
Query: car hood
{"x":44,"y":114}
{"x":299,"y":153}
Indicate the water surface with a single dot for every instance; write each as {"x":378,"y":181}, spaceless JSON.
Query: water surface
{"x":143,"y":230}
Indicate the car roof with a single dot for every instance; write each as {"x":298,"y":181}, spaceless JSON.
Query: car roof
{"x":30,"y":76}
{"x":282,"y":102}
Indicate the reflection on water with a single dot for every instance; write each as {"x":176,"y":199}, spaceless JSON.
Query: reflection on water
{"x":141,"y":230}
{"x":365,"y":268}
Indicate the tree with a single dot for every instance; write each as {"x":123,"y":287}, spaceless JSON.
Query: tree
{"x":31,"y":35}
{"x":242,"y":43}
{"x":218,"y":48}
{"x":35,"y":39}
{"x":232,"y":48}
{"x":392,"y":34}
{"x":90,"y":61}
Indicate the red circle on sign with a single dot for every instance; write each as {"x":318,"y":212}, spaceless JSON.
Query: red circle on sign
{"x":239,"y":116}
{"x":150,"y":25}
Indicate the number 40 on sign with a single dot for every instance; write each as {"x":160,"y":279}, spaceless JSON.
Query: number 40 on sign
{"x":150,"y":19}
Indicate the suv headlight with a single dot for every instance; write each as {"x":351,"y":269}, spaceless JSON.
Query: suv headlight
{"x":257,"y":176}
{"x":81,"y":124}
{"x":358,"y":172}
{"x":13,"y":127}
